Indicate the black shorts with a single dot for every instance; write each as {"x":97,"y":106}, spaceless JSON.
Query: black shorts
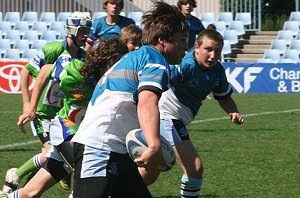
{"x":122,"y":178}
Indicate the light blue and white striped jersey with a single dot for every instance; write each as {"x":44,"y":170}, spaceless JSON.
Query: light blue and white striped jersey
{"x":112,"y":111}
{"x":189,"y":86}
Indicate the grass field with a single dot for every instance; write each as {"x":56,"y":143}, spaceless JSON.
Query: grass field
{"x":258,"y":159}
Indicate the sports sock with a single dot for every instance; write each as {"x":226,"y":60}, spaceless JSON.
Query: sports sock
{"x":29,"y":166}
{"x":190,"y":187}
{"x":14,"y":194}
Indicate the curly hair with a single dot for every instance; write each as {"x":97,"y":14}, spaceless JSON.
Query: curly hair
{"x":162,"y":21}
{"x":100,"y":58}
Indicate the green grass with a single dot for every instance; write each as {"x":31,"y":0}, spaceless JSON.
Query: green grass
{"x":257,"y":159}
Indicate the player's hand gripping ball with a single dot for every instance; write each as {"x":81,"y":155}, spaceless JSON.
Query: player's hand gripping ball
{"x":136,"y":144}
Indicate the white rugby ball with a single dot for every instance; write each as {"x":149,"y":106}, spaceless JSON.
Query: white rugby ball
{"x":136,"y":144}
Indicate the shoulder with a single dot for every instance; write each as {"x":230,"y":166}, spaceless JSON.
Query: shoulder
{"x":126,"y":20}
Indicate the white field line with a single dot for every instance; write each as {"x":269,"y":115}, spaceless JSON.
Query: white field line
{"x":11,"y":146}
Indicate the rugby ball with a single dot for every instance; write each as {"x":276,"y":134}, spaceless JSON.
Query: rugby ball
{"x":136,"y":144}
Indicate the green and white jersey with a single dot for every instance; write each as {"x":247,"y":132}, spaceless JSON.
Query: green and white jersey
{"x":77,"y":89}
{"x":50,"y":101}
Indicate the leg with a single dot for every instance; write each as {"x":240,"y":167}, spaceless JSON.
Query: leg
{"x":190,"y":162}
{"x":41,"y":182}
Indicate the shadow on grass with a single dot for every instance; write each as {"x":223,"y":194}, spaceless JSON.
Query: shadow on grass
{"x":17,"y":149}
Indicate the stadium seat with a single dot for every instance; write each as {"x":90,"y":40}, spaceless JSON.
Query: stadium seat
{"x":40,"y":26}
{"x":220,"y":26}
{"x":97,"y":15}
{"x":295,"y":44}
{"x":225,"y":17}
{"x":267,"y":60}
{"x":21,"y":45}
{"x":48,"y":17}
{"x":136,"y":16}
{"x":245,"y":17}
{"x":30,"y":17}
{"x":1,"y":16}
{"x":208,"y":17}
{"x":5,"y":26}
{"x":226,"y":47}
{"x":4,"y":45}
{"x":238,"y":26}
{"x":58,"y":27}
{"x":295,"y":16}
{"x":13,"y":36}
{"x":29,"y":53}
{"x":63,"y":16}
{"x":285,"y":35}
{"x":291,"y":54}
{"x":12,"y":17}
{"x":49,"y":35}
{"x":232,"y":36}
{"x":38,"y":44}
{"x":272,"y":54}
{"x":22,"y":26}
{"x":279,"y":44}
{"x":292,"y":26}
{"x":31,"y":35}
{"x":12,"y":54}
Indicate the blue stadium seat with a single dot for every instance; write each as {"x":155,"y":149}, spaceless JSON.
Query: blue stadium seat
{"x":5,"y":26}
{"x":238,"y":26}
{"x":245,"y":17}
{"x":21,"y":45}
{"x":29,"y":54}
{"x":136,"y":16}
{"x":12,"y":17}
{"x":38,"y":44}
{"x":63,"y":16}
{"x":4,"y":45}
{"x":13,"y":36}
{"x":226,"y":47}
{"x":285,"y":35}
{"x":292,"y":26}
{"x":12,"y":54}
{"x":208,"y":17}
{"x":30,"y":17}
{"x":232,"y":36}
{"x":22,"y":26}
{"x":31,"y":35}
{"x":58,"y":27}
{"x":40,"y":26}
{"x":273,"y":54}
{"x":1,"y":16}
{"x":295,"y":44}
{"x":48,"y":17}
{"x":97,"y":15}
{"x":291,"y":54}
{"x":295,"y":16}
{"x":49,"y":35}
{"x":220,"y":26}
{"x":225,"y":17}
{"x":279,"y":44}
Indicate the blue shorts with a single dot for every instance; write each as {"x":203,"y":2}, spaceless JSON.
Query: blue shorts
{"x":173,"y":130}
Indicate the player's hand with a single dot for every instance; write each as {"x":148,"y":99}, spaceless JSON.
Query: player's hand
{"x":24,"y":118}
{"x":236,"y":118}
{"x":151,"y":160}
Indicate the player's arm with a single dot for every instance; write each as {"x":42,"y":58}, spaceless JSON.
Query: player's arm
{"x":230,"y":107}
{"x":148,"y":115}
{"x":25,"y":88}
{"x":39,"y":86}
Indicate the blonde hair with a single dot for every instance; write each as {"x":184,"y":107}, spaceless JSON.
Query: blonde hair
{"x":131,"y":33}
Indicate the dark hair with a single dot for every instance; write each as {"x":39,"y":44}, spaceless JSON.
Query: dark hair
{"x":183,"y":2}
{"x":211,"y":26}
{"x":100,"y":58}
{"x":121,"y":2}
{"x":211,"y":34}
{"x":162,"y":21}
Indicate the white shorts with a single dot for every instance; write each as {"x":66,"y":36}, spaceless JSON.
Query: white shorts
{"x":173,"y":130}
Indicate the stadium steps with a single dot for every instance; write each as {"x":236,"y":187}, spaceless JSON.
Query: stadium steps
{"x":251,"y":46}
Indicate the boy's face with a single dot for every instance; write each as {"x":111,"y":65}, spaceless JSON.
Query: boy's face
{"x":82,"y":34}
{"x":132,"y":45}
{"x":113,"y":8}
{"x":208,"y":53}
{"x":187,"y":8}
{"x":175,"y":49}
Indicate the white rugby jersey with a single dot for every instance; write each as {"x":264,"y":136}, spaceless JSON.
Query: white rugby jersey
{"x":112,"y":111}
